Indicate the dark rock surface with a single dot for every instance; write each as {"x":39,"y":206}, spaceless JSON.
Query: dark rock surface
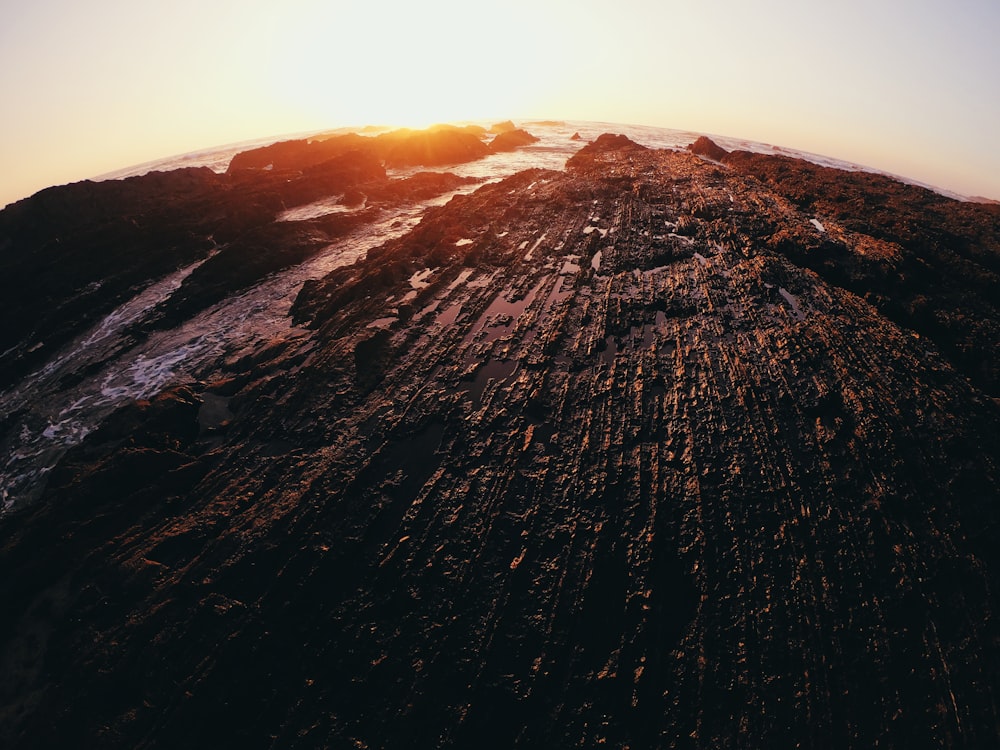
{"x":298,"y":154}
{"x":927,"y":262}
{"x":705,"y":146}
{"x":512,"y":139}
{"x":652,"y":457}
{"x":69,"y":255}
{"x":435,"y":146}
{"x":590,"y":155}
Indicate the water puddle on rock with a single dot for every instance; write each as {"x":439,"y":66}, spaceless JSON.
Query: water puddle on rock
{"x":610,"y":350}
{"x":793,"y":302}
{"x":497,"y":370}
{"x":501,"y":315}
{"x":447,"y":317}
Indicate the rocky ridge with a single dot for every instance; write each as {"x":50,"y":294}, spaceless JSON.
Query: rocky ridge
{"x":650,"y":452}
{"x":69,"y":255}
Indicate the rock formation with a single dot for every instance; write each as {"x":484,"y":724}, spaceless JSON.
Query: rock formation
{"x":432,"y":148}
{"x":71,"y":254}
{"x":511,"y":140}
{"x":502,"y":127}
{"x":656,"y":453}
{"x":435,"y":146}
{"x":704,"y":146}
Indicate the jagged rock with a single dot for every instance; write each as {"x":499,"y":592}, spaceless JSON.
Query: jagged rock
{"x":432,"y":148}
{"x":635,"y":464}
{"x":916,"y":251}
{"x":705,"y":146}
{"x":502,"y":127}
{"x":608,"y":143}
{"x":298,"y":154}
{"x":477,"y":130}
{"x":72,"y":253}
{"x":576,"y":137}
{"x":511,"y":140}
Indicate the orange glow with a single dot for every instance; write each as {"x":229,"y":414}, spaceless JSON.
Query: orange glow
{"x":102,"y":85}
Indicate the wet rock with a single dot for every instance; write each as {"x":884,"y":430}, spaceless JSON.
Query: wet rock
{"x":595,"y":155}
{"x":432,"y":148}
{"x":435,"y":146}
{"x":511,"y":140}
{"x":635,"y":464}
{"x":96,"y":242}
{"x":72,"y":254}
{"x":298,"y":154}
{"x":353,"y":197}
{"x":371,"y":356}
{"x":705,"y":146}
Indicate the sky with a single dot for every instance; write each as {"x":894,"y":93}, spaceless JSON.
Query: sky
{"x":910,"y":87}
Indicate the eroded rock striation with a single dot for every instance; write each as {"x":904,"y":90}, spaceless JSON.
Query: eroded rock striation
{"x":648,"y":453}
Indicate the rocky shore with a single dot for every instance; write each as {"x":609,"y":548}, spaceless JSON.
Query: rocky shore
{"x":666,"y":449}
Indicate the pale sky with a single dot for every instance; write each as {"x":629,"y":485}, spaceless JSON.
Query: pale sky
{"x":911,"y":87}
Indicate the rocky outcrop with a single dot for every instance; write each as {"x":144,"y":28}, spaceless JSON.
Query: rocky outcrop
{"x":927,"y":262}
{"x":431,"y":148}
{"x":589,"y":155}
{"x":298,"y":154}
{"x":705,"y":146}
{"x":477,"y":130}
{"x":502,"y":127}
{"x":70,"y":255}
{"x":512,"y":140}
{"x":610,"y":142}
{"x":631,"y":464}
{"x":435,"y":146}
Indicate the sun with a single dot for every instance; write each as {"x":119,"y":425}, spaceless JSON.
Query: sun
{"x":398,"y":77}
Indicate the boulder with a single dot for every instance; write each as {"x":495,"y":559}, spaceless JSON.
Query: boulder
{"x":429,"y":148}
{"x":297,"y":154}
{"x":512,"y":139}
{"x":707,"y":147}
{"x":503,"y":127}
{"x":606,"y":143}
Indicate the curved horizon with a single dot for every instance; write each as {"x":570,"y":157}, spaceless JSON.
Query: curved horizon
{"x":904,"y":88}
{"x":166,"y":160}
